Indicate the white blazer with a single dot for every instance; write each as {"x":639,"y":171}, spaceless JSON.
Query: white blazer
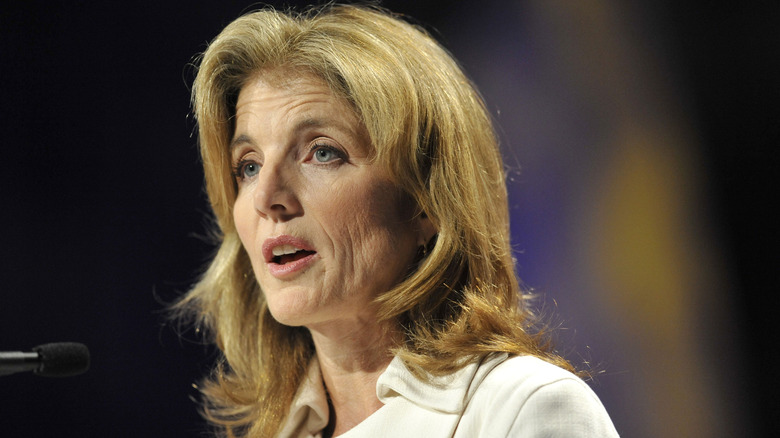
{"x":497,"y":398}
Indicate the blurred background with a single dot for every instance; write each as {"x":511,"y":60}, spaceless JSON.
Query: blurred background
{"x":640,"y":140}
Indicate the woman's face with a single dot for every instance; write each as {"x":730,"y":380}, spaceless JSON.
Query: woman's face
{"x":326,"y":230}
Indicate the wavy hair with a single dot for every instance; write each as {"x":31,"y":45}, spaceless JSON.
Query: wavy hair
{"x":429,"y":126}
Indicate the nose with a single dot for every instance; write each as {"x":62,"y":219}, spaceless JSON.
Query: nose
{"x":275,"y":194}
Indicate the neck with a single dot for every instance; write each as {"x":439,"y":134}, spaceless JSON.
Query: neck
{"x":352,"y":357}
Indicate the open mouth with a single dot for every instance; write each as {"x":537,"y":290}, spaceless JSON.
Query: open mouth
{"x":287,"y":258}
{"x":288,"y":253}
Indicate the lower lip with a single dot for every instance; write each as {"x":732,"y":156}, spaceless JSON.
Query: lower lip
{"x":290,"y":269}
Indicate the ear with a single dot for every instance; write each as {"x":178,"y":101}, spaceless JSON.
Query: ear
{"x":426,"y":229}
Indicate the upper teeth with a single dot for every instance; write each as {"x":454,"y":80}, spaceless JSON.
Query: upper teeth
{"x":284,"y":249}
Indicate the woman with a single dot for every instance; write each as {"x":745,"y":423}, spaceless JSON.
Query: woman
{"x":364,"y":283}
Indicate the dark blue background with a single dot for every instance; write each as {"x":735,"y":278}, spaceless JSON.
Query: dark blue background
{"x":102,"y":201}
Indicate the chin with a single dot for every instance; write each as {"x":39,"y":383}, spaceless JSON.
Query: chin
{"x":292,"y":314}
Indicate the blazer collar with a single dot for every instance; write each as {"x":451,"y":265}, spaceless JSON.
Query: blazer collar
{"x":448,"y":394}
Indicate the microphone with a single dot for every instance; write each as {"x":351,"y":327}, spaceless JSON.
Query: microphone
{"x":61,"y":359}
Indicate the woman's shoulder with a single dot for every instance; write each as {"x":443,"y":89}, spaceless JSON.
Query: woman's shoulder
{"x":526,"y":396}
{"x":525,"y":374}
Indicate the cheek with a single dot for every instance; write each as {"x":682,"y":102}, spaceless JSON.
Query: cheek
{"x":374,"y":234}
{"x":243,"y":218}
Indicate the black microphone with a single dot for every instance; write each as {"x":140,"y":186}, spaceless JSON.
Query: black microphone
{"x":61,"y":359}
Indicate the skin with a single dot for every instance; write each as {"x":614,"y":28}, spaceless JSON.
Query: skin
{"x":301,"y":157}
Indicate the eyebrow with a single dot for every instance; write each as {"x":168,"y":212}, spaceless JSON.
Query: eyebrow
{"x":309,"y":123}
{"x":303,"y":124}
{"x":241,"y":139}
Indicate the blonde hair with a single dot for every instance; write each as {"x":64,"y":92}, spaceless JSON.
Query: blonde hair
{"x":429,"y":127}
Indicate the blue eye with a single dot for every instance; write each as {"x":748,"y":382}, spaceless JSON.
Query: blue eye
{"x":326,"y":154}
{"x":246,"y":169}
{"x":250,"y":169}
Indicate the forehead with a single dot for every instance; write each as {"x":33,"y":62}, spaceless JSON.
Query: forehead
{"x":282,"y":102}
{"x":268,"y":90}
{"x":291,"y":81}
{"x":294,"y":93}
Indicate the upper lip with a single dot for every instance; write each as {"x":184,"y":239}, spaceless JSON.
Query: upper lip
{"x":279,"y":241}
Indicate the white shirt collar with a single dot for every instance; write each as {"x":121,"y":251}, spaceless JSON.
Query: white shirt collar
{"x":309,"y":410}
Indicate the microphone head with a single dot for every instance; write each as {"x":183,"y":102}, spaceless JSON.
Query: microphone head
{"x":62,"y":359}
